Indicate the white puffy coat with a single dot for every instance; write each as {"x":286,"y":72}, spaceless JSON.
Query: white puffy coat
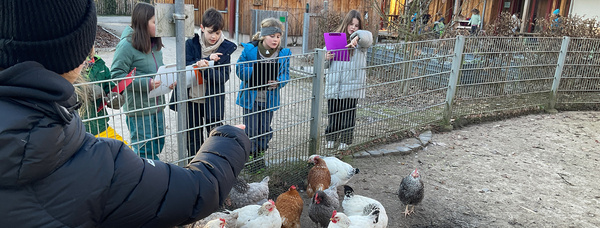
{"x":347,"y":79}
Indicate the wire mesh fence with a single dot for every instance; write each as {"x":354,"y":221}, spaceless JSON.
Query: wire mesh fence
{"x":396,"y":88}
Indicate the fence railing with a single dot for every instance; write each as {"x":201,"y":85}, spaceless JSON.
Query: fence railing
{"x":407,"y":86}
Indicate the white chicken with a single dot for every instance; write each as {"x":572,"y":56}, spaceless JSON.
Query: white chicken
{"x":340,"y":171}
{"x":228,"y":216}
{"x":216,"y":223}
{"x":263,"y":216}
{"x":340,"y":220}
{"x":362,"y":205}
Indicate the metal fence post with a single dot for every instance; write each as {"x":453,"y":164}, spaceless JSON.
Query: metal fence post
{"x":562,"y":56}
{"x":181,"y":82}
{"x":459,"y":47}
{"x":316,"y":106}
{"x":305,"y":32}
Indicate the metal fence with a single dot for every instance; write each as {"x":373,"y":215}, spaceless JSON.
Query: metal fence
{"x":407,"y":86}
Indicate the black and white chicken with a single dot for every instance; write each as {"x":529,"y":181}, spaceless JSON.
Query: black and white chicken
{"x":411,"y":191}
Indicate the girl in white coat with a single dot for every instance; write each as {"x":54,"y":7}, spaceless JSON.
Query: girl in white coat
{"x":345,"y":82}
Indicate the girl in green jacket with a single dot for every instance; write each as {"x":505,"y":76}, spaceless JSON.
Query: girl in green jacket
{"x":140,"y":49}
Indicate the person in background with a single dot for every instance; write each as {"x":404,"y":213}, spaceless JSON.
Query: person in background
{"x":343,"y":88}
{"x":140,"y":49}
{"x":516,"y":22}
{"x":54,"y":174}
{"x":439,"y":27}
{"x":209,"y":45}
{"x":555,"y":25}
{"x":97,"y":96}
{"x":260,"y":103}
{"x":475,"y":22}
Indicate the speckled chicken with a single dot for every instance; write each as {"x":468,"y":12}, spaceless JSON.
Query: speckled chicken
{"x":243,"y":194}
{"x":320,"y":209}
{"x":319,"y":177}
{"x":290,"y":207}
{"x":411,"y":191}
{"x":334,"y":198}
{"x":340,"y":171}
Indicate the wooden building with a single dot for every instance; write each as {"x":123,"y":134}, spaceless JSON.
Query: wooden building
{"x":295,"y":9}
{"x":490,"y":9}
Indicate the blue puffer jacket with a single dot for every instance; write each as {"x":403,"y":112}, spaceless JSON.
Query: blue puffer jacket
{"x":243,"y":70}
{"x":54,"y":174}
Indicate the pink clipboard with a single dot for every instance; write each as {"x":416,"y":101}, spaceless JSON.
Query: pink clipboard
{"x":337,"y":41}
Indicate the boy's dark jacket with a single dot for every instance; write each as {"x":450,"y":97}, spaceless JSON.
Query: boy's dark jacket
{"x":54,"y":174}
{"x":214,"y":78}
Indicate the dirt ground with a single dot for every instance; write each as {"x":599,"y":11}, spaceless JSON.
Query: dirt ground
{"x":531,"y":171}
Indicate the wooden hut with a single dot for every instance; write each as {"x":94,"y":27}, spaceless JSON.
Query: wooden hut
{"x":295,"y":9}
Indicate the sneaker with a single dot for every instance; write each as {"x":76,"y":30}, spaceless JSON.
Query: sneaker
{"x":330,"y":145}
{"x":343,"y":146}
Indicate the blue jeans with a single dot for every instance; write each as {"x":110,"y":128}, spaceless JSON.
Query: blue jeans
{"x":143,"y":127}
{"x":258,"y":127}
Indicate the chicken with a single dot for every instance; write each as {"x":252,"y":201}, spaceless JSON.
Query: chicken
{"x":290,"y":205}
{"x":411,"y":191}
{"x":320,"y":209}
{"x":340,"y":220}
{"x":229,"y":216}
{"x":332,"y":193}
{"x":319,"y":177}
{"x":362,"y":205}
{"x":243,"y":194}
{"x":264,"y":216}
{"x":216,"y":223}
{"x":340,"y":171}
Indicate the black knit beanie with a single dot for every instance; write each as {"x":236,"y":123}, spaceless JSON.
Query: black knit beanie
{"x":59,"y":34}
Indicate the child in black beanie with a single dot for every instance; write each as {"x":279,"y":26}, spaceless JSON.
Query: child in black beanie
{"x":53,"y":173}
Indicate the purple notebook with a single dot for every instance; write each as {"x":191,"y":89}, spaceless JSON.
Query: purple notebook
{"x":337,"y":41}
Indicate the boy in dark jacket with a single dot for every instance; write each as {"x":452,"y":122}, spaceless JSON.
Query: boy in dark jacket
{"x":208,"y":98}
{"x":53,"y":173}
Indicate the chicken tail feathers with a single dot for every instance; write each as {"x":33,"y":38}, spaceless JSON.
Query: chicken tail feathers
{"x":265,"y":180}
{"x":356,"y":171}
{"x":375,"y":216}
{"x":348,"y":191}
{"x":370,"y":208}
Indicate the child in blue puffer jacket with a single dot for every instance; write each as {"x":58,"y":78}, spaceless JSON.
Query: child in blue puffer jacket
{"x":260,"y":103}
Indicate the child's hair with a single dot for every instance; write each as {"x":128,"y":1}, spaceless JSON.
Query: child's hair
{"x":140,"y":39}
{"x":213,"y":19}
{"x":348,"y":20}
{"x":269,"y":22}
{"x":475,"y":11}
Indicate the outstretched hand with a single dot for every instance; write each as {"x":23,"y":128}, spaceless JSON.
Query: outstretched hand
{"x":353,"y":43}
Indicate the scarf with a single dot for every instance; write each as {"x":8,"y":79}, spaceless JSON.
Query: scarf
{"x":264,"y":51}
{"x":208,"y":49}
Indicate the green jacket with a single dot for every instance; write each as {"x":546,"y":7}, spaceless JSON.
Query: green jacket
{"x":98,"y":72}
{"x":136,"y":95}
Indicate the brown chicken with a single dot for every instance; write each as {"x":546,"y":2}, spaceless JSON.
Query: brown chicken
{"x":290,"y":207}
{"x":319,"y":177}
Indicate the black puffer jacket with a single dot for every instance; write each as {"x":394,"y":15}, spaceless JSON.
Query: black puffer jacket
{"x":53,"y":174}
